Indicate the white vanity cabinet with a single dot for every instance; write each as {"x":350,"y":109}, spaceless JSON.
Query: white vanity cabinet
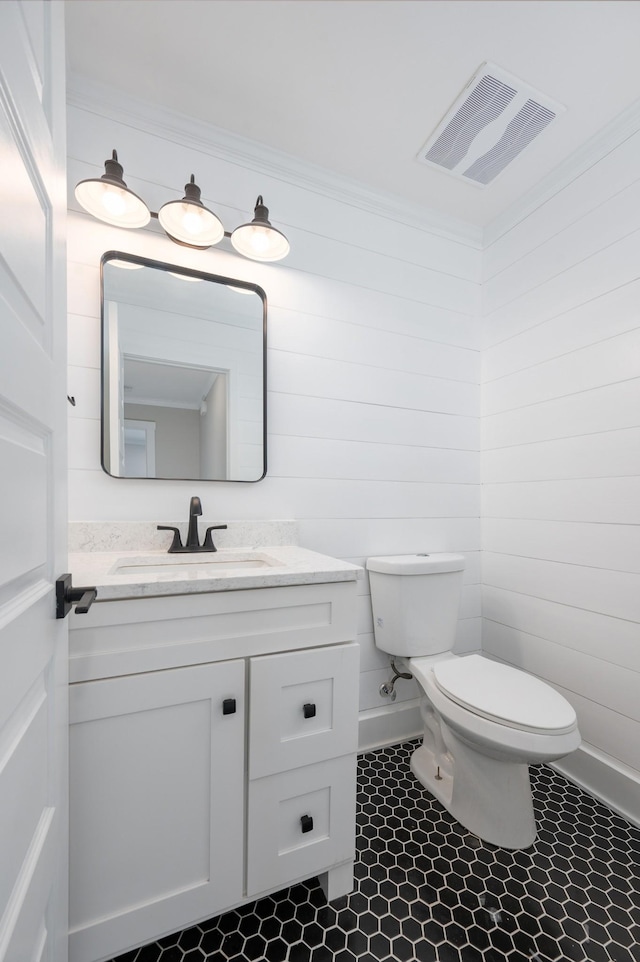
{"x":212,"y":753}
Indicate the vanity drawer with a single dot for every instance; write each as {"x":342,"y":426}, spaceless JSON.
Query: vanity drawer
{"x":304,"y":708}
{"x":300,"y":823}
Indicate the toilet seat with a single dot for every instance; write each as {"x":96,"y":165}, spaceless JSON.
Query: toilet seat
{"x":504,"y":695}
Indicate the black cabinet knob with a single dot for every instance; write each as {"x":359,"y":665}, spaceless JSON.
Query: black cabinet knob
{"x":309,"y":710}
{"x":306,"y":824}
{"x":229,"y":706}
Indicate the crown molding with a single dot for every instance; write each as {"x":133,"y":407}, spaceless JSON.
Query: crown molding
{"x":108,"y":102}
{"x":590,"y":153}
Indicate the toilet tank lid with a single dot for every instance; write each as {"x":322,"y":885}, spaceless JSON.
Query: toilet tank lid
{"x":416,"y":564}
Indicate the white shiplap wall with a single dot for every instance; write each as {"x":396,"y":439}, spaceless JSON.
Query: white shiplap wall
{"x":373,"y":368}
{"x":561,"y":459}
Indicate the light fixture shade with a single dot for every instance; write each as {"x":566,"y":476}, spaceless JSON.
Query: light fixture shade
{"x":109,"y":199}
{"x":259,"y":240}
{"x":189,"y":222}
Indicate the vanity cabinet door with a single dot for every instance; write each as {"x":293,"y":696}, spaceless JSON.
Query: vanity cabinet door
{"x":156,"y":795}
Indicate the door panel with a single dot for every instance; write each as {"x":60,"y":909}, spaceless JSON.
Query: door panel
{"x":25,"y":215}
{"x":23,"y":788}
{"x":34,"y":16}
{"x":33,"y":645}
{"x":23,"y":508}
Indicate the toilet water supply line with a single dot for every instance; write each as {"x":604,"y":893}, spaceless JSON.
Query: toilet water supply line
{"x":387,"y":688}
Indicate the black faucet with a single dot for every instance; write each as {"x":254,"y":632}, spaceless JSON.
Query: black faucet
{"x":195,"y":511}
{"x":193,"y":543}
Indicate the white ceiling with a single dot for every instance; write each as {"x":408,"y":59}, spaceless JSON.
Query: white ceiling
{"x":356,"y":86}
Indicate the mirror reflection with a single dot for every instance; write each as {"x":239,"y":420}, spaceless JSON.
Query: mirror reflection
{"x":183,"y":373}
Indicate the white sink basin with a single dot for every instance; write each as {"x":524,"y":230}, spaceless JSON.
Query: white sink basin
{"x":193,"y":564}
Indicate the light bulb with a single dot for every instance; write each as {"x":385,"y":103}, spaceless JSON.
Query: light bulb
{"x":113,"y":202}
{"x":259,"y":240}
{"x":192,"y":220}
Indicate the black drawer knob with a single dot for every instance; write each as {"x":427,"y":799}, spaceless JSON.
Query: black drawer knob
{"x":309,"y":710}
{"x":229,"y":706}
{"x":306,"y":823}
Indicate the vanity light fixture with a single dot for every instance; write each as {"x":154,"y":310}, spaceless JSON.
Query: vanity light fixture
{"x":186,"y":222}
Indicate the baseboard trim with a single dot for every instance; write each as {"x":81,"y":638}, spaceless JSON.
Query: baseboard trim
{"x":608,"y":780}
{"x":390,"y":725}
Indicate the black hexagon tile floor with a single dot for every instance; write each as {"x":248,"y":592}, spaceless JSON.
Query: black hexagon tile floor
{"x":428,"y":891}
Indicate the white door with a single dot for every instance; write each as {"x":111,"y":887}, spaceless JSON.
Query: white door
{"x":33,"y":644}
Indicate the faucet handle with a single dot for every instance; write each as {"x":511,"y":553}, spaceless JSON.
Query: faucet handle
{"x":176,"y":544}
{"x":207,"y":544}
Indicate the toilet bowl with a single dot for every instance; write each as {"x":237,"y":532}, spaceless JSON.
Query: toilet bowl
{"x":492,"y":721}
{"x":484,"y":722}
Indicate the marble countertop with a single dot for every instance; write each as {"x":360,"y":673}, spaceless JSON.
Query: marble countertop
{"x":273,"y":566}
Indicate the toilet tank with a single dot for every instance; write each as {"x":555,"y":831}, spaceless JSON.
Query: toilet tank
{"x":415,"y":600}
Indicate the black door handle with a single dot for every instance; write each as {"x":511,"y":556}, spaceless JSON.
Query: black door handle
{"x":67,"y":595}
{"x":306,"y":824}
{"x":309,"y":710}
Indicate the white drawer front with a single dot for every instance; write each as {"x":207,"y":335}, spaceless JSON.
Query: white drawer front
{"x":304,"y":708}
{"x":320,"y":798}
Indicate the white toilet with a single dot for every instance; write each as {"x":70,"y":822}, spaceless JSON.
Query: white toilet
{"x":484,"y":722}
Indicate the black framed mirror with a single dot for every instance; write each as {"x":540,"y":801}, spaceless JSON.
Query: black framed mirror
{"x":183,"y":373}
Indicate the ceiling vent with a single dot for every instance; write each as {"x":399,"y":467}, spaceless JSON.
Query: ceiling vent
{"x":495,"y":117}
